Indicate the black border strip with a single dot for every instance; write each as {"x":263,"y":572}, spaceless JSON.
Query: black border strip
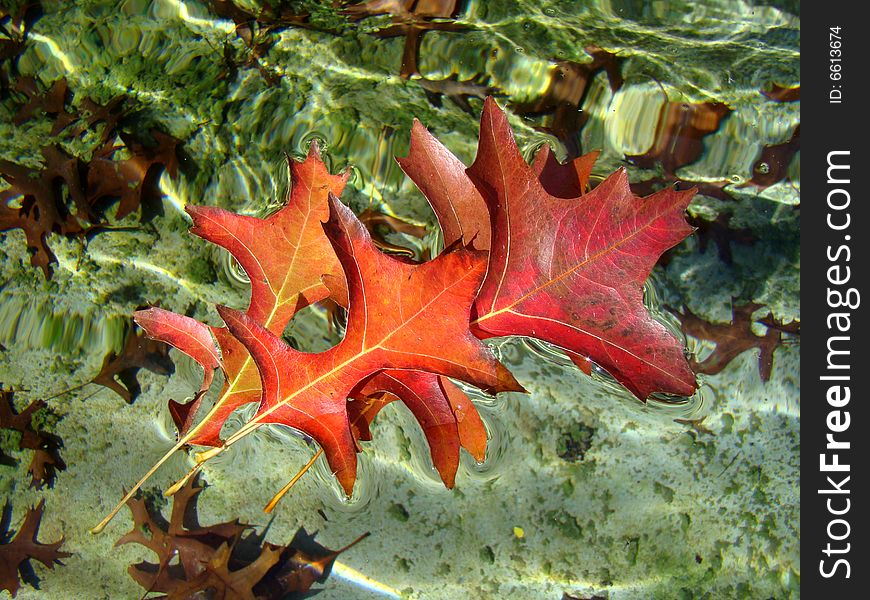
{"x":835,"y":299}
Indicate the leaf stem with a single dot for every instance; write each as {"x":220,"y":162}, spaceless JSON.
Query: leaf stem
{"x":102,"y":524}
{"x":173,"y":489}
{"x":277,"y":497}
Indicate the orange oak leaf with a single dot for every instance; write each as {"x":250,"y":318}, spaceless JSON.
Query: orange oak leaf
{"x":400,"y":316}
{"x":254,"y":242}
{"x":571,"y":272}
{"x":284,"y":256}
{"x":529,"y":252}
{"x":448,"y":418}
{"x":194,"y":339}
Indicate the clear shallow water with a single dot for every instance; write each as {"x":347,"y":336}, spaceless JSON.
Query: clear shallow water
{"x":653,"y":508}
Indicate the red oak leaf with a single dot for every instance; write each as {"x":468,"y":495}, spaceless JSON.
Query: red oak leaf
{"x":459,"y":207}
{"x":401,"y":316}
{"x":563,"y":270}
{"x":570,"y":272}
{"x":461,"y":211}
{"x":569,"y":180}
{"x":275,"y":298}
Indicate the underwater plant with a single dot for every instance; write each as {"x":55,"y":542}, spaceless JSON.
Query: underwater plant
{"x":528,"y":252}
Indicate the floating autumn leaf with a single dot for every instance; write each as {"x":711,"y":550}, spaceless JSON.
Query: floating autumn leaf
{"x":565,"y":270}
{"x":16,"y":552}
{"x":571,"y":272}
{"x":568,"y":180}
{"x":401,"y":316}
{"x":283,"y":282}
{"x":461,"y":211}
{"x":458,"y":205}
{"x":448,"y":418}
{"x":285,"y":256}
{"x":195,"y":340}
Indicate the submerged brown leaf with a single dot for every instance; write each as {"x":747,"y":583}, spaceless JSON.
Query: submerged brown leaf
{"x":773,"y":162}
{"x":734,"y":338}
{"x":46,"y":447}
{"x":139,"y":352}
{"x":16,"y":552}
{"x":563,"y":98}
{"x":779,"y":93}
{"x":679,"y":134}
{"x":216,"y":561}
{"x":36,"y":200}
